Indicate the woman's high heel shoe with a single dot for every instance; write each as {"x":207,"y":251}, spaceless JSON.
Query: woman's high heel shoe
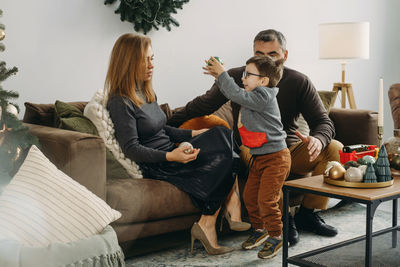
{"x":235,"y":226}
{"x":197,"y":233}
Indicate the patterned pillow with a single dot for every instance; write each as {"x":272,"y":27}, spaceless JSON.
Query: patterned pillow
{"x":96,"y":111}
{"x":42,"y":205}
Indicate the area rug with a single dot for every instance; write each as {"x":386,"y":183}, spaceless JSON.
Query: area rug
{"x":349,"y":219}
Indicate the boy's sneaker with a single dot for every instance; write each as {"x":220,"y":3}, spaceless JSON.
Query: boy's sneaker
{"x":271,"y":248}
{"x":255,"y":239}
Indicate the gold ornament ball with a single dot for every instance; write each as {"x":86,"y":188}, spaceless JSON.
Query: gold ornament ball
{"x":337,"y":172}
{"x":2,"y":34}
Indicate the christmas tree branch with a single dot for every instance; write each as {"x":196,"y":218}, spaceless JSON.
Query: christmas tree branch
{"x":148,"y":14}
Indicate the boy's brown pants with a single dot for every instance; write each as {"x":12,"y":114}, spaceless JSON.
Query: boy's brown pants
{"x":262,"y":190}
{"x":302,"y":165}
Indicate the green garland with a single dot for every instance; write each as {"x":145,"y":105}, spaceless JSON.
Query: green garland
{"x":148,"y":14}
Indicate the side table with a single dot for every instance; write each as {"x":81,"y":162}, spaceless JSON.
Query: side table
{"x":370,"y":197}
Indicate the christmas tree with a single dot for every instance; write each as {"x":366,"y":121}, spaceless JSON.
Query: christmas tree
{"x":15,"y":139}
{"x":383,"y":173}
{"x":370,"y":176}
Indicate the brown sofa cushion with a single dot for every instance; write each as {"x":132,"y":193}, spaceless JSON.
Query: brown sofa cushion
{"x":142,"y":200}
{"x":43,"y":114}
{"x":355,"y":126}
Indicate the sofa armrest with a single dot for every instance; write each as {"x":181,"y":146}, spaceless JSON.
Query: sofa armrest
{"x":81,"y":156}
{"x":355,"y":126}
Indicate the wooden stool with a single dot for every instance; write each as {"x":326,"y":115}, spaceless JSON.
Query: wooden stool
{"x":346,"y":88}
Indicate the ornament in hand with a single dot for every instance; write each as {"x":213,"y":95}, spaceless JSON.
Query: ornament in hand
{"x":189,"y":148}
{"x":209,"y":62}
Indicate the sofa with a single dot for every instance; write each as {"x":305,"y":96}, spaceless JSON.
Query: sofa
{"x":394,"y":100}
{"x":153,"y":212}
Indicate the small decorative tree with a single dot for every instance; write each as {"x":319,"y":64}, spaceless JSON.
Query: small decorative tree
{"x":14,"y":136}
{"x":383,"y":173}
{"x":370,"y":176}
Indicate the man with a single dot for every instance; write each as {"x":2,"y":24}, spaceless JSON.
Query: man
{"x":296,"y":96}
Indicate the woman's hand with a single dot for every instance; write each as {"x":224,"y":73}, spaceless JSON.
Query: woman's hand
{"x":179,"y":155}
{"x":197,"y":132}
{"x":213,"y":67}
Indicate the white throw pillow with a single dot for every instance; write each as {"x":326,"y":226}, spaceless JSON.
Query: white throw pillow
{"x":42,"y":205}
{"x":97,"y":112}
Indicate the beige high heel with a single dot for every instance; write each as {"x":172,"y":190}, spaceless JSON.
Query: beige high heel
{"x":235,"y":226}
{"x":197,"y":233}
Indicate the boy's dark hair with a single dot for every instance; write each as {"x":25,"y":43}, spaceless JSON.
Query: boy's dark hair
{"x":271,"y":35}
{"x":268,"y":67}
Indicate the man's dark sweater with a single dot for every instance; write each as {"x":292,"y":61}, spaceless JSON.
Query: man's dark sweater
{"x":297,"y":95}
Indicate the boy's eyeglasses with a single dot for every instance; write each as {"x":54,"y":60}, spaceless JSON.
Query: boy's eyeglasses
{"x":246,"y":74}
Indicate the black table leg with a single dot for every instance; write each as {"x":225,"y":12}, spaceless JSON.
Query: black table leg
{"x":371,"y":208}
{"x":394,"y":223}
{"x":285,"y":226}
{"x":368,"y":237}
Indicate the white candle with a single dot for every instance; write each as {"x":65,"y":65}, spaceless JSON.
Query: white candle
{"x":380,"y":107}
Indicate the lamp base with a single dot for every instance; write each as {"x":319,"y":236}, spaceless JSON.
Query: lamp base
{"x":346,"y":89}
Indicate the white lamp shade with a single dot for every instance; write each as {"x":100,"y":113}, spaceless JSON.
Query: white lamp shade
{"x":344,"y":40}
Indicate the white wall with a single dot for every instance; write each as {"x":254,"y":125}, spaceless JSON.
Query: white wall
{"x":62,"y":47}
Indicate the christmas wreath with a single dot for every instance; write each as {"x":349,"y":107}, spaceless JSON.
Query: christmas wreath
{"x":148,"y":14}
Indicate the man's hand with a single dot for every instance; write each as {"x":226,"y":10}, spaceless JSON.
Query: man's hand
{"x":213,"y":67}
{"x":314,"y":145}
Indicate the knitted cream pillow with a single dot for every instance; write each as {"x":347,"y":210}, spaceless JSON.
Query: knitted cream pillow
{"x":96,"y":111}
{"x":42,"y":205}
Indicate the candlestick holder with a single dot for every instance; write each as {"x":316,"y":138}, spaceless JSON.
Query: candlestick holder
{"x":380,"y":135}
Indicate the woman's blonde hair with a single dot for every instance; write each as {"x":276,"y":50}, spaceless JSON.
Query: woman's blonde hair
{"x":127,"y":69}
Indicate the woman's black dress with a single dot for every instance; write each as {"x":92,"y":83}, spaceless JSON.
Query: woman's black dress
{"x":145,"y":138}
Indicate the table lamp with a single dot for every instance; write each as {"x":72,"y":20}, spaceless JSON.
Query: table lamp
{"x":347,"y":40}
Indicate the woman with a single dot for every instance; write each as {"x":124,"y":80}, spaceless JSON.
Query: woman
{"x":140,"y":128}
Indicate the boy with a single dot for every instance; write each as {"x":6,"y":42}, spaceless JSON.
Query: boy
{"x":263,"y":133}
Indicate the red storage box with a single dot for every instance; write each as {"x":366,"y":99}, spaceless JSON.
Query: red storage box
{"x":345,"y":157}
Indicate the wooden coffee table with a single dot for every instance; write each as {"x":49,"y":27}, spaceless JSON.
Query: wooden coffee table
{"x":371,"y":197}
